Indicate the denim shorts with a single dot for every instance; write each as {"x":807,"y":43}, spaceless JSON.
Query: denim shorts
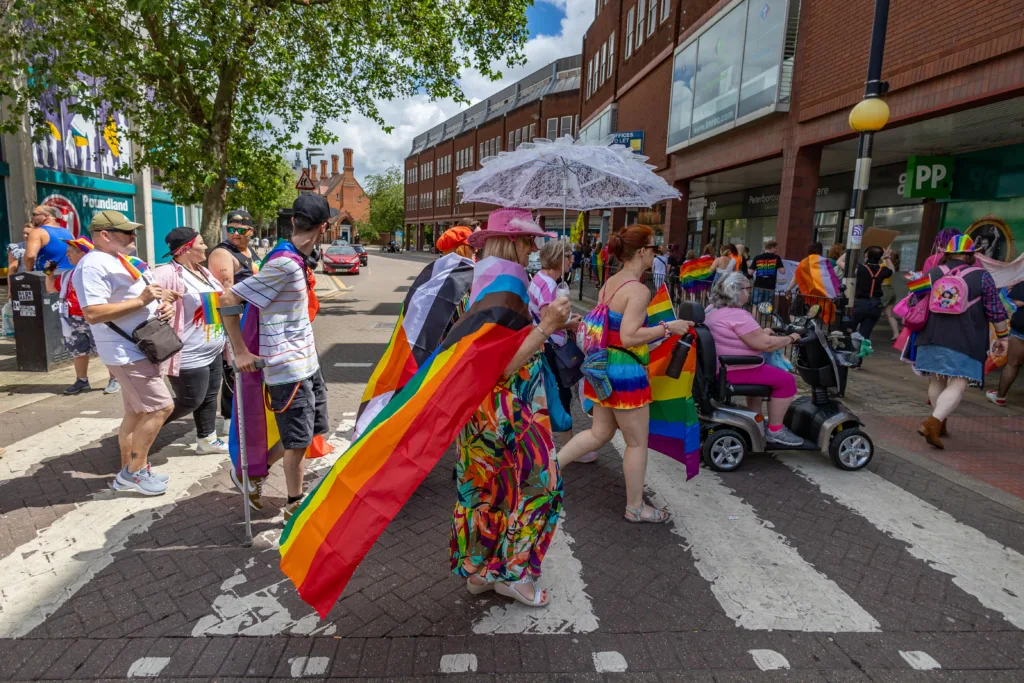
{"x":1015,"y":333}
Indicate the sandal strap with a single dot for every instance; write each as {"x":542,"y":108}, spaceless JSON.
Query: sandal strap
{"x":659,"y":514}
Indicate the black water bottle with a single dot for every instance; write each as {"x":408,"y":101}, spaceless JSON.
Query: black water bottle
{"x":679,"y":353}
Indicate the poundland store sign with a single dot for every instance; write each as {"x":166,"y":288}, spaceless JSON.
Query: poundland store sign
{"x":78,"y":206}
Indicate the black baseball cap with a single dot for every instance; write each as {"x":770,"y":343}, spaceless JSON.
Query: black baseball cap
{"x":314,"y":207}
{"x":239,"y":216}
{"x":178,"y":238}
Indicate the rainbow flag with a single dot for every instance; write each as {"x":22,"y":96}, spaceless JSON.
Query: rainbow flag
{"x":697,"y":275}
{"x":921,"y":284}
{"x":134,"y":265}
{"x":674,"y":429}
{"x":434,"y":300}
{"x":341,"y":519}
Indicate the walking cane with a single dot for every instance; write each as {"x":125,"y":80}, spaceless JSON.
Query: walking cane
{"x":243,"y":457}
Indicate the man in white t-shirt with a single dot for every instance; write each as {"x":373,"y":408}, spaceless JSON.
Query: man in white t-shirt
{"x":298,"y":395}
{"x":111,"y":296}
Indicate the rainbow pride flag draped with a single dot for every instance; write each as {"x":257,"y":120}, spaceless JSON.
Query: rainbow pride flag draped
{"x":431,"y":304}
{"x":602,"y":265}
{"x":816,"y":278}
{"x":698,"y":274}
{"x":674,"y":429}
{"x":341,"y":519}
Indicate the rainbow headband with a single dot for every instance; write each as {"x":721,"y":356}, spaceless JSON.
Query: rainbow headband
{"x":82,"y":243}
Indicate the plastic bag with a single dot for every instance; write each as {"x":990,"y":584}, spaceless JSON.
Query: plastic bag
{"x":8,"y":319}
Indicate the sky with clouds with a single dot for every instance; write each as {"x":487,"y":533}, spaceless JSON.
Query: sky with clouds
{"x":556,"y":30}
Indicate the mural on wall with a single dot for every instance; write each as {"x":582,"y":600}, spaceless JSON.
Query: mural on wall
{"x":76,"y":143}
{"x":993,"y":238}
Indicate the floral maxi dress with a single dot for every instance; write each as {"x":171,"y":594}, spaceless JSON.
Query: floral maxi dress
{"x":510,"y":489}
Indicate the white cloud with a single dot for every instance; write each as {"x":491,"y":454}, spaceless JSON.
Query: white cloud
{"x":374,"y":150}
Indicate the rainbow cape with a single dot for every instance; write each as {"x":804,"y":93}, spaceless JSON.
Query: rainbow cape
{"x":816,"y":277}
{"x":430,"y":306}
{"x":674,"y":429}
{"x":341,"y":519}
{"x":134,"y":265}
{"x":697,"y":275}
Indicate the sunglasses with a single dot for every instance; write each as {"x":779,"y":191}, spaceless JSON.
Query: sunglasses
{"x":120,"y":232}
{"x":238,"y":231}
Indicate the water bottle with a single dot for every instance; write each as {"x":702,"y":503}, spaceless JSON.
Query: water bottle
{"x":563,"y":290}
{"x":679,"y":353}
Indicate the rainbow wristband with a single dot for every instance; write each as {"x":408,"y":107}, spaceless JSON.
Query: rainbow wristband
{"x":1002,"y":335}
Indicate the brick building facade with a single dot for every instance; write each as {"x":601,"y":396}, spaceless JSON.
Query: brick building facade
{"x":544,"y":104}
{"x":343,"y":193}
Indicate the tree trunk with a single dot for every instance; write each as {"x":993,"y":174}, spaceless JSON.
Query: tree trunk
{"x":213,"y":210}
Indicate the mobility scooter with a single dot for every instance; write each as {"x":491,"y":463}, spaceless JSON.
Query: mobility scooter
{"x":729,"y":431}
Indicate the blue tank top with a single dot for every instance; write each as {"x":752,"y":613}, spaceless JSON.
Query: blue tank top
{"x":55,"y":250}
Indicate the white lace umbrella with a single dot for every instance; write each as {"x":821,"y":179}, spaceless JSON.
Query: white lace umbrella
{"x":566,"y":175}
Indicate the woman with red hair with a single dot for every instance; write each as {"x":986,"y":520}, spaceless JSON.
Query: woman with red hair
{"x":622,"y":310}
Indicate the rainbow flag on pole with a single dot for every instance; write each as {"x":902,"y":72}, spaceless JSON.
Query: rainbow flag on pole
{"x":816,"y":278}
{"x":341,"y":519}
{"x":697,"y":275}
{"x":674,"y":429}
{"x":134,"y":265}
{"x":602,"y":265}
{"x":920,"y":284}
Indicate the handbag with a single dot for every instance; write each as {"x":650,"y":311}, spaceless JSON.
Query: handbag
{"x":154,"y":338}
{"x":917,"y":315}
{"x":561,"y":420}
{"x":565,"y":361}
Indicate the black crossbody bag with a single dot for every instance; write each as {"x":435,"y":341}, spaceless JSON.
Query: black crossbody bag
{"x":154,"y":338}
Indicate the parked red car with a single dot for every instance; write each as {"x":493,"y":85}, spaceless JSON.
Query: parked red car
{"x":341,"y":259}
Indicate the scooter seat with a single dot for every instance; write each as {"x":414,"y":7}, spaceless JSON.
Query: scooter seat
{"x":762,"y":390}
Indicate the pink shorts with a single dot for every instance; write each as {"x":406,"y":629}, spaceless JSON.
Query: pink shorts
{"x":783,"y":384}
{"x":143,"y":389}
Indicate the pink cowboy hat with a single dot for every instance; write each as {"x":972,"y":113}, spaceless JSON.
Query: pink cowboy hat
{"x":509,"y":223}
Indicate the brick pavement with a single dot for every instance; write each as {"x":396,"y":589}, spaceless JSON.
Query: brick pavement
{"x":183,"y":598}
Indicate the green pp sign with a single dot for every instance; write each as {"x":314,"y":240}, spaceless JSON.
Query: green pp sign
{"x":930,"y":177}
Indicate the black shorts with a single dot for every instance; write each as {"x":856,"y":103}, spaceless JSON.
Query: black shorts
{"x":300,"y":412}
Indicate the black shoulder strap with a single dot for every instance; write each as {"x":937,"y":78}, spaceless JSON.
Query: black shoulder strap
{"x":121,"y":332}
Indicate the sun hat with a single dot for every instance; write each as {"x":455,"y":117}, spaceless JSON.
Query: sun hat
{"x":960,"y":244}
{"x":453,"y":237}
{"x":83,"y":243}
{"x":509,"y":223}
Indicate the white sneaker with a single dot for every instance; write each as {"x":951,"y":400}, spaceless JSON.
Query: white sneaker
{"x":141,"y":482}
{"x":210,"y":445}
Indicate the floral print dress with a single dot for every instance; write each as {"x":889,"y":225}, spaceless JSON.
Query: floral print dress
{"x":510,"y":489}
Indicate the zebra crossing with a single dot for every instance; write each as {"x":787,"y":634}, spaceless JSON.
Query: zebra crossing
{"x":758,"y":578}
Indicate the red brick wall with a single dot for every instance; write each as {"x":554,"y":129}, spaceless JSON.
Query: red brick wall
{"x":606,"y":21}
{"x":411,"y":189}
{"x":426,"y":156}
{"x":522,"y":117}
{"x":923,"y":41}
{"x":444,"y":181}
{"x":558,"y":105}
{"x":645,"y":107}
{"x":461,"y":142}
{"x":653,"y":46}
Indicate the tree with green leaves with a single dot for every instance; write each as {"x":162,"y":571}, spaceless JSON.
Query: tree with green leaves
{"x":219,"y":88}
{"x":386,"y":192}
{"x":272,"y":189}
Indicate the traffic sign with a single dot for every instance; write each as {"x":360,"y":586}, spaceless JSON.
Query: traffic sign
{"x":305,"y":184}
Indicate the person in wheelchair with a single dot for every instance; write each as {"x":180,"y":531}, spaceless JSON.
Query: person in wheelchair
{"x":737,"y":333}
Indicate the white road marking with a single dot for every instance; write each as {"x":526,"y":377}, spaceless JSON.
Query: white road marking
{"x":922,"y":661}
{"x":90,"y":412}
{"x":39,"y":576}
{"x":55,"y":442}
{"x":148,"y":667}
{"x":458,"y":664}
{"x":769,"y":660}
{"x":6,"y":356}
{"x":260,"y":612}
{"x":760,"y":580}
{"x":609,"y":662}
{"x":991,"y":572}
{"x":570,"y":610}
{"x":308,"y":666}
{"x":353,"y":365}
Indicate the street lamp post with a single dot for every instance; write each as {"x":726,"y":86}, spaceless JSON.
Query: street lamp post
{"x":869,"y":116}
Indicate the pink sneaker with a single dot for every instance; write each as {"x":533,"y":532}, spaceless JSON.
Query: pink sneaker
{"x":589,"y":457}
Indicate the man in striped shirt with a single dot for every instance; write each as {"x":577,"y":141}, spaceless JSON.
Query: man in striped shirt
{"x":298,"y":395}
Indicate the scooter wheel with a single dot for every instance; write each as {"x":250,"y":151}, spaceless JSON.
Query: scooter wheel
{"x":724,"y":449}
{"x":851,"y":449}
